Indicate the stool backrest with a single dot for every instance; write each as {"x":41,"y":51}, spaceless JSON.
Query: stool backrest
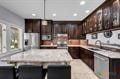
{"x":30,"y":72}
{"x":7,"y":72}
{"x":59,"y":72}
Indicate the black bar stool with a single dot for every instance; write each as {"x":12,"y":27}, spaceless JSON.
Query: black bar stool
{"x":30,"y":72}
{"x":59,"y":72}
{"x":7,"y":72}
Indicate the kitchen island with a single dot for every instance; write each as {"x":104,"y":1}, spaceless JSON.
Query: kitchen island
{"x":40,"y":56}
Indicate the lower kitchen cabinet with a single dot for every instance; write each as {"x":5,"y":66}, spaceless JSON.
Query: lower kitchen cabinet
{"x":87,"y":57}
{"x":74,"y":52}
{"x":114,"y":72}
{"x":104,"y":67}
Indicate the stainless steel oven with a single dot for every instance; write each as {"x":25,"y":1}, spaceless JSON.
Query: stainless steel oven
{"x":62,"y":40}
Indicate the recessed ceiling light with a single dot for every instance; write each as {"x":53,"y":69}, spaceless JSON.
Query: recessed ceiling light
{"x":33,"y":14}
{"x":75,"y":14}
{"x":82,"y":2}
{"x":87,"y":11}
{"x":53,"y":14}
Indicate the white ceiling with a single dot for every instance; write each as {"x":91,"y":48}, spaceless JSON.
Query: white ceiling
{"x":64,"y":9}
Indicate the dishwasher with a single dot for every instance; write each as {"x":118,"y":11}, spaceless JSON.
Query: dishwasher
{"x":101,"y":66}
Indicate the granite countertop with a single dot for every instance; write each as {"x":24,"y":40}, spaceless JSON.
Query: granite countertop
{"x":56,"y":45}
{"x":40,"y":56}
{"x":73,"y":45}
{"x":107,"y":53}
{"x":103,"y":52}
{"x":48,"y":45}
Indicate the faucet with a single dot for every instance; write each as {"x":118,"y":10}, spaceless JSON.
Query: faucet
{"x":99,"y":43}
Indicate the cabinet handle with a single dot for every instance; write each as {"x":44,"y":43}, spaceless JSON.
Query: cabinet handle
{"x":100,"y":58}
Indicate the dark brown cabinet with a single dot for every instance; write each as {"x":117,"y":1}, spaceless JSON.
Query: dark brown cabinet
{"x":32,"y":25}
{"x":114,"y":68}
{"x":47,"y":29}
{"x":74,"y":31}
{"x":60,"y":29}
{"x":88,"y":57}
{"x":74,"y":52}
{"x":71,"y":28}
{"x":84,"y":29}
{"x":36,"y":26}
{"x":105,"y":17}
{"x":57,"y":29}
{"x":99,"y":19}
{"x":116,"y":13}
{"x":28,"y":25}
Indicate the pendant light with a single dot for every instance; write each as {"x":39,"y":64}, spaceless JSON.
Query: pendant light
{"x":44,"y":21}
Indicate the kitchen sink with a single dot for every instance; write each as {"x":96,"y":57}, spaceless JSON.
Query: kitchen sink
{"x":95,"y":49}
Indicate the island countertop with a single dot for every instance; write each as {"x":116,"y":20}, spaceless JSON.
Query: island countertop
{"x":40,"y":56}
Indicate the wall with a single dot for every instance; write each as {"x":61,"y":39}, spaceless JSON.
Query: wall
{"x":10,"y":19}
{"x":113,"y":40}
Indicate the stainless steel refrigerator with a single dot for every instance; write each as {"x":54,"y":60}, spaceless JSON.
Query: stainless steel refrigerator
{"x":31,"y":41}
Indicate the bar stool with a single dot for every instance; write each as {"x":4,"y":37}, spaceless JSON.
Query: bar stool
{"x":7,"y":72}
{"x":59,"y":72}
{"x":30,"y":72}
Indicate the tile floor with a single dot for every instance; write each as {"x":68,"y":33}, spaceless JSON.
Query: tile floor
{"x":80,"y":70}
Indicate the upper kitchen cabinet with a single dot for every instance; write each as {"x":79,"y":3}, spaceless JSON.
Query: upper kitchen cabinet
{"x":107,"y":20}
{"x":28,"y":25}
{"x":57,"y":29}
{"x":93,"y":23}
{"x":73,"y":31}
{"x":66,"y":27}
{"x":82,"y":36}
{"x":90,"y":24}
{"x":99,"y":20}
{"x":84,"y":30}
{"x":116,"y":13}
{"x":47,"y":29}
{"x":89,"y":27}
{"x":105,"y":17}
{"x":32,"y":25}
{"x":60,"y":28}
{"x":36,"y":26}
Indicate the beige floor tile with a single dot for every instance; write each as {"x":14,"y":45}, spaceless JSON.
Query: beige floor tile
{"x":80,"y":70}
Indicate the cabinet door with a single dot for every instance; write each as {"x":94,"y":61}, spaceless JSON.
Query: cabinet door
{"x":115,"y":13}
{"x":71,"y":31}
{"x":74,"y":52}
{"x":99,"y":19}
{"x":36,"y":26}
{"x":87,"y":57}
{"x":47,"y":30}
{"x":57,"y":29}
{"x":84,"y":28}
{"x":64,"y":29}
{"x":114,"y":69}
{"x":74,"y":31}
{"x":28,"y":25}
{"x":107,"y":17}
{"x":82,"y":36}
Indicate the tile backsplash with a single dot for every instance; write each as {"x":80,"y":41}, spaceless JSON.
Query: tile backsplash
{"x":113,"y":40}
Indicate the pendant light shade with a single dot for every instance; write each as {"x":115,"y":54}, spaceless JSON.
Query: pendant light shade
{"x":44,"y":22}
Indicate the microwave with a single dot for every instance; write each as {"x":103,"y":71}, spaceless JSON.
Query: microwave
{"x":46,"y":37}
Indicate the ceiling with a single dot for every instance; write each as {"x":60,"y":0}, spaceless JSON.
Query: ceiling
{"x":64,"y":9}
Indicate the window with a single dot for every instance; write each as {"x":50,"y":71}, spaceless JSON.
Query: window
{"x":14,"y":38}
